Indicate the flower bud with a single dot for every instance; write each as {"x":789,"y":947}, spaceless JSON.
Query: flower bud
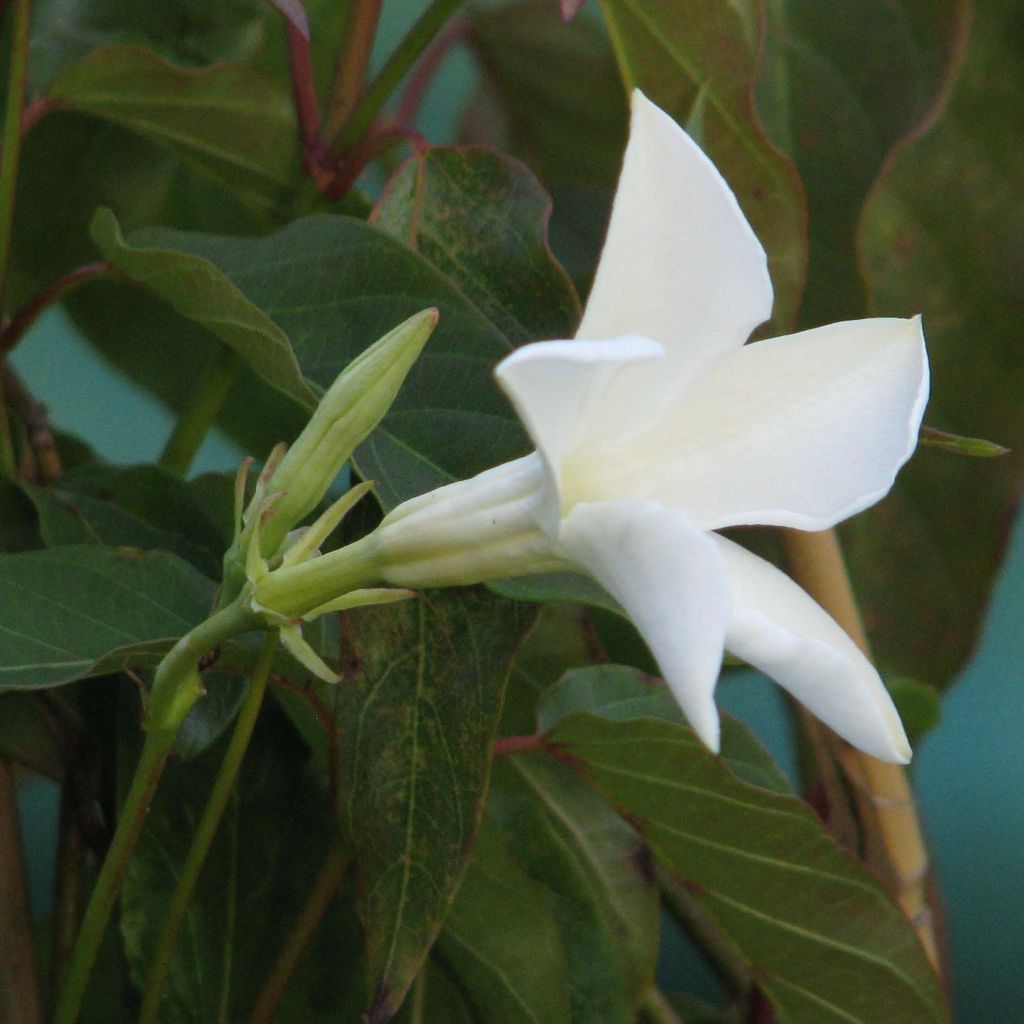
{"x":349,"y":410}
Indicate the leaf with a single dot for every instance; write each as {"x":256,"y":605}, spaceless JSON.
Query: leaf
{"x":250,"y":889}
{"x":332,"y":286}
{"x":199,"y":290}
{"x":187,"y":32}
{"x":942,"y":235}
{"x":417,"y":715}
{"x":623,"y":694}
{"x":531,"y":104}
{"x":73,"y":612}
{"x":823,"y":938}
{"x":229,"y":120}
{"x":679,"y":53}
{"x":590,"y":867}
{"x":841,"y":86}
{"x":502,"y":942}
{"x":141,"y":507}
{"x":534,"y":103}
{"x":30,"y":734}
{"x":460,"y":207}
{"x":919,"y":705}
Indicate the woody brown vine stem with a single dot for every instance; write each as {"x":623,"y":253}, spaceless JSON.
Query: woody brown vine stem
{"x":885,"y":801}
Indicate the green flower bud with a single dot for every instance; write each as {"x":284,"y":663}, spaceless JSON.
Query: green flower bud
{"x":349,"y":410}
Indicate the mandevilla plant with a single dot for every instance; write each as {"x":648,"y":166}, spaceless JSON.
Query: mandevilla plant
{"x":415,"y":720}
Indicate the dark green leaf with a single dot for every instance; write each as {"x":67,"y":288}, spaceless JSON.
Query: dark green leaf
{"x":416,"y":717}
{"x":73,"y":612}
{"x":19,"y":530}
{"x":199,"y":290}
{"x":590,"y":867}
{"x":461,"y":208}
{"x":621,"y":694}
{"x":185,"y":31}
{"x":841,"y":85}
{"x":245,"y":135}
{"x":919,"y":705}
{"x":435,"y":999}
{"x":332,"y":286}
{"x":502,"y":943}
{"x":30,"y":735}
{"x":269,"y":846}
{"x":551,"y":92}
{"x":943,"y":236}
{"x":140,"y":507}
{"x":560,"y":639}
{"x":824,"y":938}
{"x":677,"y":53}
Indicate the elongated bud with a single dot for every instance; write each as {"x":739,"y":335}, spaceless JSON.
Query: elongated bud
{"x":349,"y":410}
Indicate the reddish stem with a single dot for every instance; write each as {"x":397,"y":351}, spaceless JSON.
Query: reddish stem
{"x":455,"y":32}
{"x":24,"y":317}
{"x":517,"y":744}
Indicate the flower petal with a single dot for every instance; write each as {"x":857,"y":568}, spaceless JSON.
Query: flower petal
{"x":669,"y":576}
{"x":778,"y":628}
{"x":680,"y":263}
{"x":801,"y":431}
{"x":563,"y":393}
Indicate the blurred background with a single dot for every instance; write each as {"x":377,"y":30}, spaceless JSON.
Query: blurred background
{"x":968,"y":771}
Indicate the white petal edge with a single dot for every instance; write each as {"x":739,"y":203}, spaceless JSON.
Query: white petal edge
{"x":801,"y":431}
{"x":564,"y":391}
{"x":680,"y":262}
{"x":779,"y":629}
{"x":670,"y":579}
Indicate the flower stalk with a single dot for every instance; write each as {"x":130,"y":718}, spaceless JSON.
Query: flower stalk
{"x":206,"y":830}
{"x":885,"y":801}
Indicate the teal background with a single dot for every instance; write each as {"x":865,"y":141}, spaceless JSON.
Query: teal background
{"x":968,"y":772}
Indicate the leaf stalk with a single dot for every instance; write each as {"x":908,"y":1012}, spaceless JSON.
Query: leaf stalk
{"x":198,"y":416}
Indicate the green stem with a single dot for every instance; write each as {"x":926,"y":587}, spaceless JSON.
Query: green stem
{"x":198,"y":415}
{"x":353,"y":59}
{"x":177,"y":685}
{"x":332,"y":871}
{"x":8,"y":460}
{"x":206,"y":830}
{"x":11,"y":155}
{"x":388,"y":78}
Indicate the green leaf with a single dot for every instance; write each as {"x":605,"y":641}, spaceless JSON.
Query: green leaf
{"x":533,"y":104}
{"x":417,"y":715}
{"x":823,"y":937}
{"x":334,"y":285}
{"x":622,"y":694}
{"x":269,"y":845}
{"x":460,"y":208}
{"x":841,"y":85}
{"x":919,"y":705}
{"x":30,"y":734}
{"x":942,"y":235}
{"x":199,"y":290}
{"x":591,"y":869}
{"x":693,"y":50}
{"x":140,"y":507}
{"x":245,"y":136}
{"x":502,"y":943}
{"x":73,"y":612}
{"x":435,"y":999}
{"x":186,"y":31}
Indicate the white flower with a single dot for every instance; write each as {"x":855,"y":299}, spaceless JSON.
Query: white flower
{"x":658,"y":426}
